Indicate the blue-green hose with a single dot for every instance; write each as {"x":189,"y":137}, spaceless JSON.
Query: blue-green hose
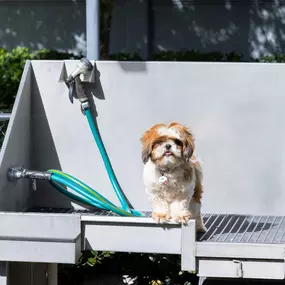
{"x":106,"y":160}
{"x":86,"y":194}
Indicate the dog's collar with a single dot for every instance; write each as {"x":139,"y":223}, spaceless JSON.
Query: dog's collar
{"x":165,"y":170}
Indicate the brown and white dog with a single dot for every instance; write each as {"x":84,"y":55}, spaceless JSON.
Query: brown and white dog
{"x":172,"y":176}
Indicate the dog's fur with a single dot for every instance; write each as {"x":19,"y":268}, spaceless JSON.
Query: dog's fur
{"x":167,"y":150}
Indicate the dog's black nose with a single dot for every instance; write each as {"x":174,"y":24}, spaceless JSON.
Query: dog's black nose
{"x":168,"y":146}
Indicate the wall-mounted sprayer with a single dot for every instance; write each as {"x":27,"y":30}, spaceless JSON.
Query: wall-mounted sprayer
{"x":62,"y":181}
{"x":83,"y":67}
{"x":74,"y":84}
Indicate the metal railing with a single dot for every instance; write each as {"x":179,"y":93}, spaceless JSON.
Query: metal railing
{"x":4,"y":120}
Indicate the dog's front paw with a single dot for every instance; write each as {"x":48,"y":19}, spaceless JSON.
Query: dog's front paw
{"x":201,"y":229}
{"x":200,"y":226}
{"x":183,"y":218}
{"x":160,"y":217}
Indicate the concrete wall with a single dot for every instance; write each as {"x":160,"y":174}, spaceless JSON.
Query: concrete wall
{"x":17,"y":148}
{"x":237,"y":119}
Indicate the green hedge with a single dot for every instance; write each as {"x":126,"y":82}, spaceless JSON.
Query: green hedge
{"x":152,"y":269}
{"x":12,"y":64}
{"x":194,"y":55}
{"x":11,"y":68}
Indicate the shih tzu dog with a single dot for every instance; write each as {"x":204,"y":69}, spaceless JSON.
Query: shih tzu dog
{"x":172,"y":176}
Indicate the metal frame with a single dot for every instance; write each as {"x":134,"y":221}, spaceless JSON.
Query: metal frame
{"x":52,"y":238}
{"x":228,"y":249}
{"x":140,"y":235}
{"x":246,"y":269}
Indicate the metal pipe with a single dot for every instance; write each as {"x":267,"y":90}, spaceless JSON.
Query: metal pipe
{"x":5,"y":117}
{"x":19,"y":172}
{"x":93,"y":29}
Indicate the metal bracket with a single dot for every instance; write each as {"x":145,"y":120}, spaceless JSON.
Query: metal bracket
{"x":239,"y":268}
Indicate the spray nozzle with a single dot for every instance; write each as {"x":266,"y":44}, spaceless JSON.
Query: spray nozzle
{"x":19,"y":172}
{"x":73,"y":82}
{"x":84,"y":66}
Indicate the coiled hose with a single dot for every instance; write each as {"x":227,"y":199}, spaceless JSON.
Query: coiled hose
{"x":87,"y":195}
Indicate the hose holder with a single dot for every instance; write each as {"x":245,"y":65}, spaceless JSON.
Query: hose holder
{"x":74,"y":83}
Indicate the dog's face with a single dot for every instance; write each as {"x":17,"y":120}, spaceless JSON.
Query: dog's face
{"x":167,"y":145}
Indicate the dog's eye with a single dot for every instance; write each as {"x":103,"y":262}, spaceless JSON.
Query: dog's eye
{"x":178,"y":142}
{"x":156,"y":143}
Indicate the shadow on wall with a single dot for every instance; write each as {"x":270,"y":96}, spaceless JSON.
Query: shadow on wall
{"x":43,"y":24}
{"x":253,"y":28}
{"x":44,"y":154}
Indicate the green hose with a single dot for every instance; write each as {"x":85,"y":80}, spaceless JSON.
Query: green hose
{"x":86,"y":194}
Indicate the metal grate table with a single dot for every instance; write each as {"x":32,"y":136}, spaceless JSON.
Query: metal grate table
{"x":220,"y":228}
{"x":244,"y":229}
{"x":234,"y":246}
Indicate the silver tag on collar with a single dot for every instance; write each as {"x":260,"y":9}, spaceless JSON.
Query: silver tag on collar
{"x":163,"y":180}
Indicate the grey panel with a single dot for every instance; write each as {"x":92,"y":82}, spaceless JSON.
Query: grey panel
{"x":240,"y":250}
{"x":237,"y":119}
{"x":16,"y":148}
{"x":38,"y":251}
{"x":143,"y":237}
{"x":39,"y":226}
{"x":188,"y":246}
{"x":39,"y":237}
{"x":245,"y":269}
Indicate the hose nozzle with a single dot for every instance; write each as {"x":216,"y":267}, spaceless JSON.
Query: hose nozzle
{"x":73,"y":82}
{"x":17,"y":172}
{"x":84,"y":66}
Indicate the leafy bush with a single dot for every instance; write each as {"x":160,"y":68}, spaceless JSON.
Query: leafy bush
{"x":11,"y":68}
{"x":189,"y":55}
{"x":271,"y":59}
{"x":193,"y":55}
{"x":152,"y":269}
{"x":125,"y":57}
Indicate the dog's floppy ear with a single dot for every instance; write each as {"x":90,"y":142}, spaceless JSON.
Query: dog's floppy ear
{"x":187,"y":138}
{"x":147,"y":140}
{"x":146,"y":146}
{"x":146,"y":152}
